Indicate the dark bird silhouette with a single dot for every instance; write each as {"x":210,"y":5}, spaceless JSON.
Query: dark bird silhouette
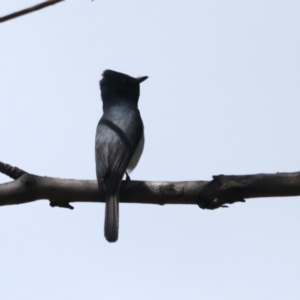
{"x":119,"y":140}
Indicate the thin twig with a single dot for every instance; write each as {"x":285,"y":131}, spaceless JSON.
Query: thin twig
{"x":10,"y":171}
{"x":29,"y":10}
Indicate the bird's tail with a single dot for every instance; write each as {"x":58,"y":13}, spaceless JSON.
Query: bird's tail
{"x":111,"y":226}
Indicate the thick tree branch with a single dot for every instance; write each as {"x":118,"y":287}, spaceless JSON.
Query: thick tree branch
{"x":29,"y":10}
{"x":60,"y":192}
{"x":220,"y":191}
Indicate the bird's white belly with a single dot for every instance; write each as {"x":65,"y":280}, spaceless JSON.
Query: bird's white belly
{"x":136,"y":155}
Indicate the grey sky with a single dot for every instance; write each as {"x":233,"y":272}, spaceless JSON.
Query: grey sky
{"x":222,"y":98}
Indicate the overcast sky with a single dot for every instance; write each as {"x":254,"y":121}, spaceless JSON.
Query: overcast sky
{"x":222,"y":98}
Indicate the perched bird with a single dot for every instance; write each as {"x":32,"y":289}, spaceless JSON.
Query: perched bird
{"x":119,"y":140}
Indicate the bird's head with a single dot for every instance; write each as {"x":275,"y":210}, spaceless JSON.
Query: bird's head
{"x":116,"y":85}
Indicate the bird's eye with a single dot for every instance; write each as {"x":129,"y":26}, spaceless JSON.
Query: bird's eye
{"x":124,"y":80}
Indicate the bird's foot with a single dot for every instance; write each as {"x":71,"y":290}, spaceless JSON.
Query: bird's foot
{"x":127,"y":176}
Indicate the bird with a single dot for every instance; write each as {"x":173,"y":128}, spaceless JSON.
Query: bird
{"x":119,"y":141}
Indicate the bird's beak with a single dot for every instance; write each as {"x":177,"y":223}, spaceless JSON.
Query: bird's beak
{"x":141,"y":79}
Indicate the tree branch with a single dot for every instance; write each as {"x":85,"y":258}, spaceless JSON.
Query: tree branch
{"x":213,"y":194}
{"x":29,"y":10}
{"x":12,"y":172}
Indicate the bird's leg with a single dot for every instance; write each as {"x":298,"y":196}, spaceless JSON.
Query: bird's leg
{"x":127,"y":176}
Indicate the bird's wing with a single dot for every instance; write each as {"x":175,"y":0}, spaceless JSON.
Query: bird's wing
{"x":113,"y":152}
